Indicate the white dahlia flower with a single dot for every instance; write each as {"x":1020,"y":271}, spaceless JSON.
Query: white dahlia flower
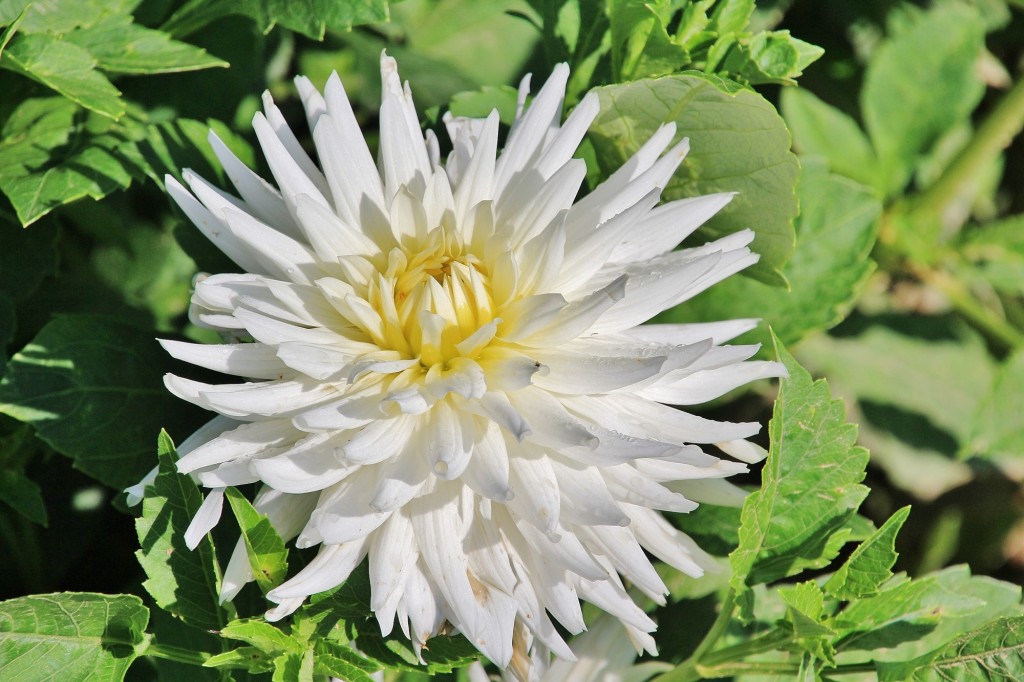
{"x":444,"y":372}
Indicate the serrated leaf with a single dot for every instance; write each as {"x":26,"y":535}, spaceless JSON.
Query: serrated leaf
{"x":869,"y":565}
{"x":63,"y":16}
{"x":268,"y":556}
{"x":993,"y":652}
{"x":836,"y":230}
{"x":810,"y":482}
{"x":902,"y":115}
{"x":311,"y":18}
{"x":294,"y":667}
{"x":341,"y":661}
{"x":71,"y":637}
{"x":93,"y":388}
{"x":51,"y":154}
{"x":805,"y":609}
{"x":120,"y":46}
{"x":65,"y":67}
{"x":183,"y":581}
{"x":738,"y":143}
{"x":262,"y":635}
{"x":820,"y":129}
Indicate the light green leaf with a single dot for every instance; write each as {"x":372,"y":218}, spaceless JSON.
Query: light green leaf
{"x":836,"y":229}
{"x":820,"y":129}
{"x":311,"y":18}
{"x":805,"y":611}
{"x":262,"y":635}
{"x":268,"y":556}
{"x":996,"y":252}
{"x":66,"y":68}
{"x":869,"y":565}
{"x":183,"y":581}
{"x":51,"y":155}
{"x":341,"y":661}
{"x":93,"y":388}
{"x":294,"y":667}
{"x":63,"y":16}
{"x":810,"y":484}
{"x":994,"y":652}
{"x":120,"y":46}
{"x":478,"y":104}
{"x":997,"y":427}
{"x":917,"y":87}
{"x":71,"y":637}
{"x":738,"y":143}
{"x":247,"y":658}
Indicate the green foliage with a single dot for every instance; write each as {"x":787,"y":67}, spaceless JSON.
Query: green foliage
{"x":182,"y":581}
{"x":309,"y":17}
{"x":836,"y":230}
{"x":810,"y":485}
{"x":71,"y":637}
{"x":992,"y":652}
{"x":17,"y":490}
{"x":869,"y":565}
{"x":738,"y":144}
{"x":92,"y":388}
{"x":267,"y":554}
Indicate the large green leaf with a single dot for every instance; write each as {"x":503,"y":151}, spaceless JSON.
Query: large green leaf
{"x":67,"y":68}
{"x":62,"y":16}
{"x":810,"y":485}
{"x":738,"y":143}
{"x":70,"y":637}
{"x":917,"y":87}
{"x":994,"y":652}
{"x":182,"y":581}
{"x":309,"y":17}
{"x":92,"y":386}
{"x":836,"y":230}
{"x":17,"y":447}
{"x":120,"y":46}
{"x":51,"y":153}
{"x":997,"y":427}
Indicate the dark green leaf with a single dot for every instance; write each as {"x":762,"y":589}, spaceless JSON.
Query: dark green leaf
{"x":869,"y":565}
{"x":26,"y":257}
{"x":119,"y":46}
{"x":92,"y":386}
{"x":52,"y":154}
{"x":268,"y":556}
{"x":65,"y":67}
{"x":21,"y":494}
{"x":836,"y":230}
{"x":994,"y":652}
{"x":182,"y":581}
{"x":309,"y":17}
{"x":738,"y":143}
{"x":810,"y":484}
{"x":70,"y":637}
{"x":917,"y":87}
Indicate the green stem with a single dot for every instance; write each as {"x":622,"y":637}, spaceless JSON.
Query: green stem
{"x":775,"y":668}
{"x":176,"y":654}
{"x":769,"y":641}
{"x":687,"y":670}
{"x":992,"y":137}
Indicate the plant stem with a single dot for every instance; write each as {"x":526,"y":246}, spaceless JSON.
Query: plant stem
{"x":774,"y":668}
{"x":992,"y":137}
{"x":687,"y":670}
{"x":769,"y":641}
{"x":177,"y":654}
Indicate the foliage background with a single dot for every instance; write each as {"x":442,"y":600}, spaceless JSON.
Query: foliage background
{"x":904,"y":286}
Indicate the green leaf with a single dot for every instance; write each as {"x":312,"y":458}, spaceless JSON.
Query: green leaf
{"x":311,"y":18}
{"x":869,"y":565}
{"x":183,"y":581}
{"x":810,"y":484}
{"x":71,"y":637}
{"x":268,"y":556}
{"x":805,"y":611}
{"x":263,"y":636}
{"x":479,"y":103}
{"x":820,"y":129}
{"x":997,"y":428}
{"x":836,"y":229}
{"x":917,"y":87}
{"x":66,"y":68}
{"x":63,"y":16}
{"x":51,"y":154}
{"x":738,"y":143}
{"x":247,"y":658}
{"x":294,"y":667}
{"x":993,"y":652}
{"x":996,"y":252}
{"x":120,"y":46}
{"x":93,"y":388}
{"x":27,"y":257}
{"x":339,"y":660}
{"x":23,"y":495}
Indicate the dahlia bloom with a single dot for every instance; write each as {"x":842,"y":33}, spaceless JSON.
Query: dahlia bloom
{"x":444,"y":372}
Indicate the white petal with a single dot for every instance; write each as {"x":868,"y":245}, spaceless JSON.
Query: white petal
{"x":331,"y":567}
{"x":247,"y":439}
{"x":205,"y":519}
{"x":251,"y":360}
